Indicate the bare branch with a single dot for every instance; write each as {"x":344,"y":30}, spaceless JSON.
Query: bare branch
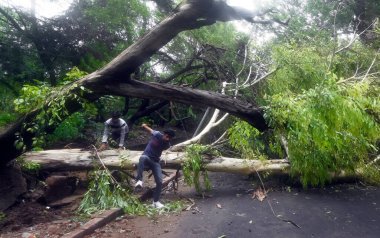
{"x":354,"y":38}
{"x":370,"y":67}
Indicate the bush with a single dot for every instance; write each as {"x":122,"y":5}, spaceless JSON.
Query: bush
{"x":69,"y":129}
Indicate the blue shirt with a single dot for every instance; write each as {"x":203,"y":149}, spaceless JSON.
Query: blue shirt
{"x":155,"y":146}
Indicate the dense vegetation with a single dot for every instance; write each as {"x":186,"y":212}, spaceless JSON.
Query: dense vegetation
{"x":312,"y":66}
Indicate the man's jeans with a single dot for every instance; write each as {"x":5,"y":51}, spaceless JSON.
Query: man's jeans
{"x":146,"y":163}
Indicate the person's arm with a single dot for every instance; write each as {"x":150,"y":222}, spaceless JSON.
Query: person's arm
{"x":103,"y":146}
{"x":147,"y":128}
{"x":123,"y":132}
{"x":105,"y":133}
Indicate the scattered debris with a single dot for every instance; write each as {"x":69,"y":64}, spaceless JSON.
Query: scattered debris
{"x":260,"y":194}
{"x":191,"y":205}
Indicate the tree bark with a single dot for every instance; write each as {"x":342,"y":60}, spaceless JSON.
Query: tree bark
{"x":77,"y":160}
{"x":115,"y":77}
{"x":246,"y":111}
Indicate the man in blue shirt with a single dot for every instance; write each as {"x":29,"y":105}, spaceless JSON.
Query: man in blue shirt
{"x":150,"y":159}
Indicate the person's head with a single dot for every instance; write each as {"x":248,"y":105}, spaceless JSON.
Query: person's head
{"x":115,"y":115}
{"x":168,"y":134}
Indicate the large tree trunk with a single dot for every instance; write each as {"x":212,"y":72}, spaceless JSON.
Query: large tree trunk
{"x":115,"y":77}
{"x":246,"y":111}
{"x":75,"y":159}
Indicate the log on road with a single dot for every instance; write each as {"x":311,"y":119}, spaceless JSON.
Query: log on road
{"x":77,"y":160}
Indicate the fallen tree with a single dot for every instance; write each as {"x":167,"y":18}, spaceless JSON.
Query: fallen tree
{"x":116,"y":77}
{"x":76,"y":160}
{"x":84,"y":160}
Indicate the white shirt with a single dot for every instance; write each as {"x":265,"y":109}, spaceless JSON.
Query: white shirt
{"x":112,"y":126}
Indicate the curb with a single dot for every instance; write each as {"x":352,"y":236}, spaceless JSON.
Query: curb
{"x":95,"y":223}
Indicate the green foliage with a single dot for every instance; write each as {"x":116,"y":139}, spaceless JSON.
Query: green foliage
{"x":31,"y":97}
{"x":219,"y":45}
{"x":350,"y":61}
{"x":109,"y":104}
{"x":55,"y":111}
{"x":74,"y":74}
{"x":193,"y":166}
{"x":299,"y":68}
{"x":371,"y":173}
{"x":243,"y":137}
{"x":251,"y":143}
{"x":6,"y":118}
{"x":69,"y":129}
{"x":19,"y":62}
{"x":304,"y":26}
{"x":104,"y":194}
{"x":112,"y":15}
{"x":28,"y":166}
{"x":8,"y":94}
{"x":220,"y":34}
{"x":330,"y":123}
{"x":328,"y":129}
{"x":91,"y":63}
{"x":170,"y":207}
{"x":109,"y":30}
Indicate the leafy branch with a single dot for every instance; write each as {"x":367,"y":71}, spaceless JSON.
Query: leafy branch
{"x":193,"y":166}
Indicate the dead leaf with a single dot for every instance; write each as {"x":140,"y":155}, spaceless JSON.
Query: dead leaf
{"x":219,"y":206}
{"x":260,"y":194}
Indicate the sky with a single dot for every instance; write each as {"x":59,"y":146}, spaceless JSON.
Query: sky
{"x":49,"y":8}
{"x":45,"y":8}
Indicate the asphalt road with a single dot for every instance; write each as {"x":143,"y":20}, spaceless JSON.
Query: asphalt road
{"x":340,"y":210}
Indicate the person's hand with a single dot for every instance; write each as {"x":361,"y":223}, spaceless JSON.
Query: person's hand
{"x":103,"y":146}
{"x":147,"y":128}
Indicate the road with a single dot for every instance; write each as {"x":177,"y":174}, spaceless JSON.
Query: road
{"x":340,"y":210}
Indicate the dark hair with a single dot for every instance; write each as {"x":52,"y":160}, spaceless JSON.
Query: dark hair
{"x":115,"y":114}
{"x":170,"y":133}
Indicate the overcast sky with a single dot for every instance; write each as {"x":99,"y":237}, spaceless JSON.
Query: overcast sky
{"x":46,"y":8}
{"x":49,"y":8}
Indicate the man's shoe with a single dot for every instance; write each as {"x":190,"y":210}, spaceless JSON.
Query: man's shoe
{"x":139,"y":184}
{"x":158,"y":205}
